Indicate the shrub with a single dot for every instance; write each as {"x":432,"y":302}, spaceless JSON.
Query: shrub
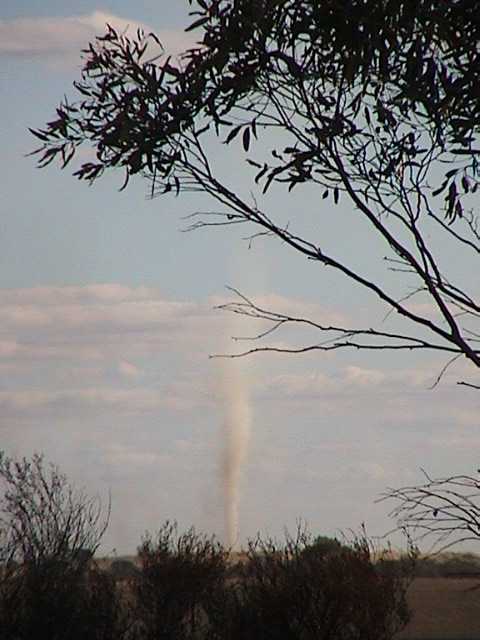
{"x":302,"y":591}
{"x":179,"y":573}
{"x":49,"y":587}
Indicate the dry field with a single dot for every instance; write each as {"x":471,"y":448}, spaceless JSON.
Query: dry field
{"x":444,"y":609}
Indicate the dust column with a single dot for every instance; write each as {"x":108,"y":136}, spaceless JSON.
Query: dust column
{"x":236,"y":429}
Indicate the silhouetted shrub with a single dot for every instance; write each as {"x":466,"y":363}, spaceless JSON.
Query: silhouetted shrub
{"x":123,"y":570}
{"x":49,"y":587}
{"x":307,"y":591}
{"x":187,"y":586}
{"x":179,"y":573}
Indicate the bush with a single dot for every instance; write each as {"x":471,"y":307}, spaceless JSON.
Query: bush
{"x":302,"y":590}
{"x":178,"y":575}
{"x":49,"y":587}
{"x":186,"y":588}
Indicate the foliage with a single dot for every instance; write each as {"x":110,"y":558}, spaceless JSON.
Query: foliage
{"x":375,"y":104}
{"x":49,"y":587}
{"x":59,"y":603}
{"x":187,"y":584}
{"x":43,"y":518}
{"x":302,"y":590}
{"x":324,"y":545}
{"x":179,"y":572}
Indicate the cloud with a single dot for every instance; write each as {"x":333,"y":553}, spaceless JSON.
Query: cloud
{"x":55,"y":37}
{"x":110,"y":399}
{"x":311,"y":384}
{"x":98,"y":308}
{"x":363,"y":377}
{"x":299,"y":385}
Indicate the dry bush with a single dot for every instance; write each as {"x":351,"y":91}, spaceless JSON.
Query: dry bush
{"x":302,"y":591}
{"x":179,"y":572}
{"x":49,"y":586}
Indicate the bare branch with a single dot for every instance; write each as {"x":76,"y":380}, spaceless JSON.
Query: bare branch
{"x":443,"y":511}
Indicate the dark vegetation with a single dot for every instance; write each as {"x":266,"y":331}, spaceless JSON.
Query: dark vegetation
{"x":181,"y":585}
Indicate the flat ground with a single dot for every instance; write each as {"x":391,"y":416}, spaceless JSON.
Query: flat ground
{"x":444,"y":609}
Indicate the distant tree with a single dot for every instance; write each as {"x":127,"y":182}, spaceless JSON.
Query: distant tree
{"x":325,"y":545}
{"x":374,"y":104}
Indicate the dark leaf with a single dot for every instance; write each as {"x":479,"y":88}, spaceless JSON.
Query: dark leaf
{"x":246,"y":139}
{"x":232,"y":134}
{"x":38,"y":133}
{"x":436,"y":192}
{"x":261,"y":173}
{"x":367,"y":115}
{"x":197,"y":23}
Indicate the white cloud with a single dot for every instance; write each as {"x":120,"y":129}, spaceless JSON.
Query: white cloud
{"x":311,"y":384}
{"x":60,"y":36}
{"x":129,"y":400}
{"x":299,"y":385}
{"x":364,"y":377}
{"x":97,"y":308}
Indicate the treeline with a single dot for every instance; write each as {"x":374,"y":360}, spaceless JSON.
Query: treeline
{"x":186,"y":585}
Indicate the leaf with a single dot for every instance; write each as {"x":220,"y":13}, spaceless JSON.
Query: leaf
{"x":325,"y":194}
{"x":67,"y":156}
{"x":271,"y":176}
{"x":38,"y":133}
{"x":261,"y":173}
{"x":436,"y":192}
{"x":458,"y":210}
{"x":367,"y":115}
{"x":197,"y":23}
{"x":233,"y":133}
{"x":246,"y":139}
{"x":336,"y":195}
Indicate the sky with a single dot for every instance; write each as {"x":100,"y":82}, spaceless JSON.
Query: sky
{"x":107,"y":321}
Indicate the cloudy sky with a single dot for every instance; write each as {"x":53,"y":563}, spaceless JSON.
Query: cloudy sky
{"x":107,"y":320}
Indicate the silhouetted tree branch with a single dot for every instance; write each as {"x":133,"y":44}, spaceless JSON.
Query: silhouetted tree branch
{"x":375,"y":104}
{"x":442,"y":511}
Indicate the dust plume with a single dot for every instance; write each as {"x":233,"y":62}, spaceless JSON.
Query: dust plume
{"x":236,"y":429}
